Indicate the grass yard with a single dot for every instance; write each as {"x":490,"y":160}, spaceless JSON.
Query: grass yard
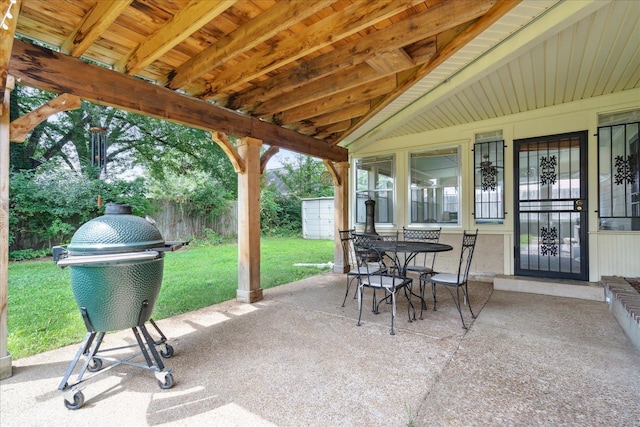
{"x":43,"y":314}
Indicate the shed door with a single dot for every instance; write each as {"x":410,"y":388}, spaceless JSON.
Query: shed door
{"x":551,"y":206}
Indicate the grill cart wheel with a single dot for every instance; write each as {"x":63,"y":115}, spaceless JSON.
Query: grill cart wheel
{"x":168,"y":381}
{"x":167,"y":352}
{"x":78,"y":401}
{"x":95,"y":365}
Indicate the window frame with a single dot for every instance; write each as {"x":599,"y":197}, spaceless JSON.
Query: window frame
{"x":489,"y":146}
{"x":623,"y":177}
{"x":441,"y":213}
{"x":391,"y":205}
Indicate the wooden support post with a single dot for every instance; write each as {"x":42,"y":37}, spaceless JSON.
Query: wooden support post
{"x":340,"y":213}
{"x":249,"y":222}
{"x":5,"y":357}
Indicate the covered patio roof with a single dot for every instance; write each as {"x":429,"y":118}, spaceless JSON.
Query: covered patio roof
{"x":301,"y":75}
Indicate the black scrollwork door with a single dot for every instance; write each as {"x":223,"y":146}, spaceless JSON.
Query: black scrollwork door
{"x":551,"y":206}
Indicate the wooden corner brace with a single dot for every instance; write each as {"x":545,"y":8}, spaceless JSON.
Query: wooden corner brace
{"x":332,"y":170}
{"x":20,"y":127}
{"x":221,"y":139}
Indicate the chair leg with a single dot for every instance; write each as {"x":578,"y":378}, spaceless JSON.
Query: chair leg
{"x":457,"y":301}
{"x":359,"y":303}
{"x":433,"y":291}
{"x":467,"y":300}
{"x":407,"y":293}
{"x":349,"y":280}
{"x":393,"y":310}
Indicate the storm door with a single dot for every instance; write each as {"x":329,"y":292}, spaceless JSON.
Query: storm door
{"x":551,"y":206}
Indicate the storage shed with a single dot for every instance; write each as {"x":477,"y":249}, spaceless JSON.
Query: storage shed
{"x":317,"y":218}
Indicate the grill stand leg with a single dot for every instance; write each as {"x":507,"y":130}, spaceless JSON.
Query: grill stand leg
{"x":73,"y":396}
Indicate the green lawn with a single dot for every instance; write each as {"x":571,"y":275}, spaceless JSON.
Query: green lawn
{"x":43,"y":315}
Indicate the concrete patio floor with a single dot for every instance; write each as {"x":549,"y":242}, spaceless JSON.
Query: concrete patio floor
{"x":297,"y":358}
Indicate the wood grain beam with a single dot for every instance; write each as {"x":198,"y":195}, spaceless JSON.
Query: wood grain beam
{"x":55,"y":72}
{"x":277,"y":18}
{"x":92,"y":26}
{"x":412,"y":30}
{"x":325,"y":32}
{"x":266,"y":156}
{"x":471,"y":32}
{"x":390,"y":61}
{"x":338,"y":100}
{"x":187,"y":21}
{"x":21,"y":127}
{"x":6,"y":44}
{"x":230,"y":150}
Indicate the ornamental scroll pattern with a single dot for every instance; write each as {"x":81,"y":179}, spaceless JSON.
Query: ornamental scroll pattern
{"x":489,"y":176}
{"x":548,"y":175}
{"x":549,"y":238}
{"x":625,"y":173}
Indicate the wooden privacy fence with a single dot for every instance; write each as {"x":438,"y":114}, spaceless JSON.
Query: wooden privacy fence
{"x":175,"y":224}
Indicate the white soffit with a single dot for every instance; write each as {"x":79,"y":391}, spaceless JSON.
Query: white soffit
{"x":481,"y":81}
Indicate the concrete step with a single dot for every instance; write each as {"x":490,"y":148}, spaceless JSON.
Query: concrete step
{"x":556,"y":287}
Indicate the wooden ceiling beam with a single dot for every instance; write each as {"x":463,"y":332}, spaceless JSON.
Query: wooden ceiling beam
{"x":337,"y":26}
{"x":277,"y":18}
{"x":350,"y":112}
{"x":349,"y":78}
{"x":338,"y":101}
{"x":187,"y":21}
{"x":412,"y":30}
{"x":92,"y":26}
{"x":390,"y":61}
{"x":6,"y":44}
{"x":55,"y":72}
{"x":471,"y":32}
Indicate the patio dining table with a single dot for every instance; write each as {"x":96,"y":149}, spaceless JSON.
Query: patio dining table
{"x":411,"y":248}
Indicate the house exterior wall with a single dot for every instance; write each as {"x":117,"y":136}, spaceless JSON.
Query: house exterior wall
{"x":610,"y":252}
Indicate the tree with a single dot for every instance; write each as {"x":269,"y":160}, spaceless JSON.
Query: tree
{"x":301,"y":176}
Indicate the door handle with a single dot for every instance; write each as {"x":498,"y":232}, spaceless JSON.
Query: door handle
{"x":578,"y":205}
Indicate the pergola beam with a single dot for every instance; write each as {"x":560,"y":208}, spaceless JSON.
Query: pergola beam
{"x":55,"y":72}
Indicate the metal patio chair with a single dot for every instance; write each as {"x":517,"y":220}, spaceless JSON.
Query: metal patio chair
{"x":357,"y":263}
{"x":423,"y":263}
{"x":390,"y":280}
{"x":459,"y":280}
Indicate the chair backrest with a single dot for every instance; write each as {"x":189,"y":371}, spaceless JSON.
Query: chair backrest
{"x":424,"y":235}
{"x":348,"y":254}
{"x":431,"y":235}
{"x":466,"y":254}
{"x":365,"y":245}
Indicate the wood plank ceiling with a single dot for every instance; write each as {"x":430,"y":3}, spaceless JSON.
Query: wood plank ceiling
{"x":317,"y":68}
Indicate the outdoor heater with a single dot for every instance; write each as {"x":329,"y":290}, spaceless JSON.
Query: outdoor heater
{"x":116,"y":263}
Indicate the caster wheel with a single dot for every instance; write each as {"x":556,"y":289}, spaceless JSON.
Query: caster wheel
{"x":78,"y":401}
{"x":168,"y":382}
{"x":167,"y":352}
{"x":95,"y":365}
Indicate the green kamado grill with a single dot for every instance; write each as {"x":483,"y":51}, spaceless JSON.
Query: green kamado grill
{"x":116,"y":263}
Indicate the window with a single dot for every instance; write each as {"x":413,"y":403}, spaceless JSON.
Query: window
{"x":435,"y":186}
{"x":488,"y":154}
{"x":375,"y":180}
{"x":619,"y":171}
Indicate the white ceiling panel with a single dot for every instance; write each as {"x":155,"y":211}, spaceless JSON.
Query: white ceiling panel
{"x":591,"y":52}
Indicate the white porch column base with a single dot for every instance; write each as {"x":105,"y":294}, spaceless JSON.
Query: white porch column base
{"x":5,"y":367}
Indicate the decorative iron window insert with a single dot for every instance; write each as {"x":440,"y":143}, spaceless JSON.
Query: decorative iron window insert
{"x":619,"y":172}
{"x":489,"y":179}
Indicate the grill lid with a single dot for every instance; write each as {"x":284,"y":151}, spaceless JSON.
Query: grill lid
{"x":115,"y":232}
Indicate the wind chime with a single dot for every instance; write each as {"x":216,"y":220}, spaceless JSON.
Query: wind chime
{"x":99,"y":153}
